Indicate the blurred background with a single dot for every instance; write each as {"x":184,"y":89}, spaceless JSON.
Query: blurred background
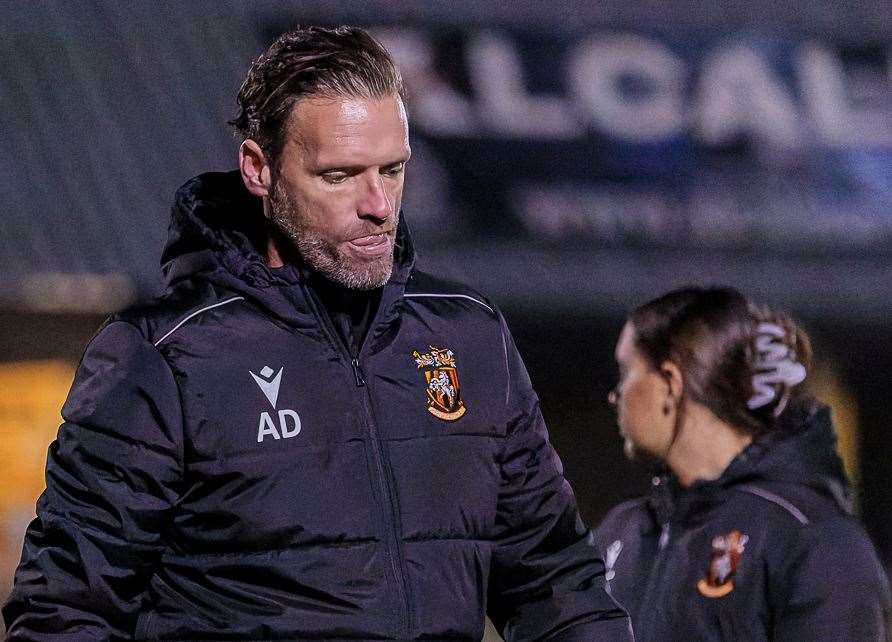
{"x":570,"y":159}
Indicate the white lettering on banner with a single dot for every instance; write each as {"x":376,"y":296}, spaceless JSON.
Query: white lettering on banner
{"x":836,"y":118}
{"x":713,"y":217}
{"x":609,"y":215}
{"x":736,"y":93}
{"x":596,"y":70}
{"x":440,"y":108}
{"x":739,"y":95}
{"x":497,"y":77}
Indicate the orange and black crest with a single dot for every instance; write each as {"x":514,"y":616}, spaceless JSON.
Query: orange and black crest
{"x":443,"y":388}
{"x":723,"y":562}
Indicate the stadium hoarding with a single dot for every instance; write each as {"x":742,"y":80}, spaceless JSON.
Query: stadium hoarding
{"x":602,"y":160}
{"x":590,"y":151}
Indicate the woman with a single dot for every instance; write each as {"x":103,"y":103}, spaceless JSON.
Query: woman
{"x":749,"y":533}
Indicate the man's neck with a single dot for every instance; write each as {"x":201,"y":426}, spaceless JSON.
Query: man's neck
{"x":351,"y":311}
{"x":273,"y":258}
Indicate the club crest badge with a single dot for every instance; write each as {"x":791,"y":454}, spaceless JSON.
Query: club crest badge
{"x":443,"y":388}
{"x":726,"y":553}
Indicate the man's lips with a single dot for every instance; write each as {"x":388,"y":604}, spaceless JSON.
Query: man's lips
{"x":372,"y":245}
{"x":371,"y":239}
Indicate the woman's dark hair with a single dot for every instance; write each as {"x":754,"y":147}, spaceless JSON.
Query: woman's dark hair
{"x":741,"y":361}
{"x":310,"y":61}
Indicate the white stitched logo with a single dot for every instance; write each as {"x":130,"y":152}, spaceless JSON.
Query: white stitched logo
{"x":269,"y":386}
{"x":289,"y":420}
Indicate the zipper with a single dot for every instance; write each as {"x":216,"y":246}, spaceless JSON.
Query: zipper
{"x":396,"y":555}
{"x":357,"y":372}
{"x":394,"y":552}
{"x":652,"y":593}
{"x":653,"y":579}
{"x":664,"y":537}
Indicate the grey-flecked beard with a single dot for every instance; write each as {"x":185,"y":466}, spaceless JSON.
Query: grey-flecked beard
{"x":325,"y":257}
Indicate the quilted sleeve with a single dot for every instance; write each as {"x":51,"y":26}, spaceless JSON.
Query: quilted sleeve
{"x":548,"y":579}
{"x":112,"y":476}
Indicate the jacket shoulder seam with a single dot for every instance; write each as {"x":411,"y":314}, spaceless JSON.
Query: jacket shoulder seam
{"x":195,"y":313}
{"x":635,"y":504}
{"x":777,"y":500}
{"x":446,"y":295}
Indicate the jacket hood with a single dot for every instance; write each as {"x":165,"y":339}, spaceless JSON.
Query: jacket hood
{"x":800,"y":452}
{"x":218,"y":233}
{"x":215,"y":222}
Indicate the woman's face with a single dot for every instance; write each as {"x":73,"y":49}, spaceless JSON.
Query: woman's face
{"x":640,"y":398}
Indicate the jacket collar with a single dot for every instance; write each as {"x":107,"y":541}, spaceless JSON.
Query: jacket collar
{"x":218,"y":233}
{"x":801,"y":450}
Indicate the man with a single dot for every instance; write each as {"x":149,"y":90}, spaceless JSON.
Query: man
{"x":305,"y":437}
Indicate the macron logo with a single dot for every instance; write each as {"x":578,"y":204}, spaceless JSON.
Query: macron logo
{"x":269,"y":385}
{"x":288,"y":424}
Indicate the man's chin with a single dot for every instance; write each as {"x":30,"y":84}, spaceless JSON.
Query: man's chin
{"x":360,"y":275}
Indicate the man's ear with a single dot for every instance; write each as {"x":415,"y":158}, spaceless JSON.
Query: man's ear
{"x":254,"y":168}
{"x":672,"y":374}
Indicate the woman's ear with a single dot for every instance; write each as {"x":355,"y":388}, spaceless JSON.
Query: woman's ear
{"x":254,"y":168}
{"x":674,"y":381}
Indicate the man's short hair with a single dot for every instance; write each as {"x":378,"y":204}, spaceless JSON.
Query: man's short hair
{"x":310,"y":61}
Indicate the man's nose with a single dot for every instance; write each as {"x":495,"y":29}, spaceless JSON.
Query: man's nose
{"x":374,"y":200}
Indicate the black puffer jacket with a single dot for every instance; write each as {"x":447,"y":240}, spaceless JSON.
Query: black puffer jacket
{"x":767,"y":552}
{"x":228,"y":470}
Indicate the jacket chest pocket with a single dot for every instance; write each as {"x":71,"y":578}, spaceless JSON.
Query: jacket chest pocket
{"x":446,"y":486}
{"x":279,"y":495}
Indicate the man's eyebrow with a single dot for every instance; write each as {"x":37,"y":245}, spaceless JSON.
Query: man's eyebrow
{"x":322,"y":169}
{"x":336,"y":167}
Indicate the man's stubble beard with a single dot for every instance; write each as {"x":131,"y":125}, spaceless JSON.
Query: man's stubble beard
{"x":322,"y":255}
